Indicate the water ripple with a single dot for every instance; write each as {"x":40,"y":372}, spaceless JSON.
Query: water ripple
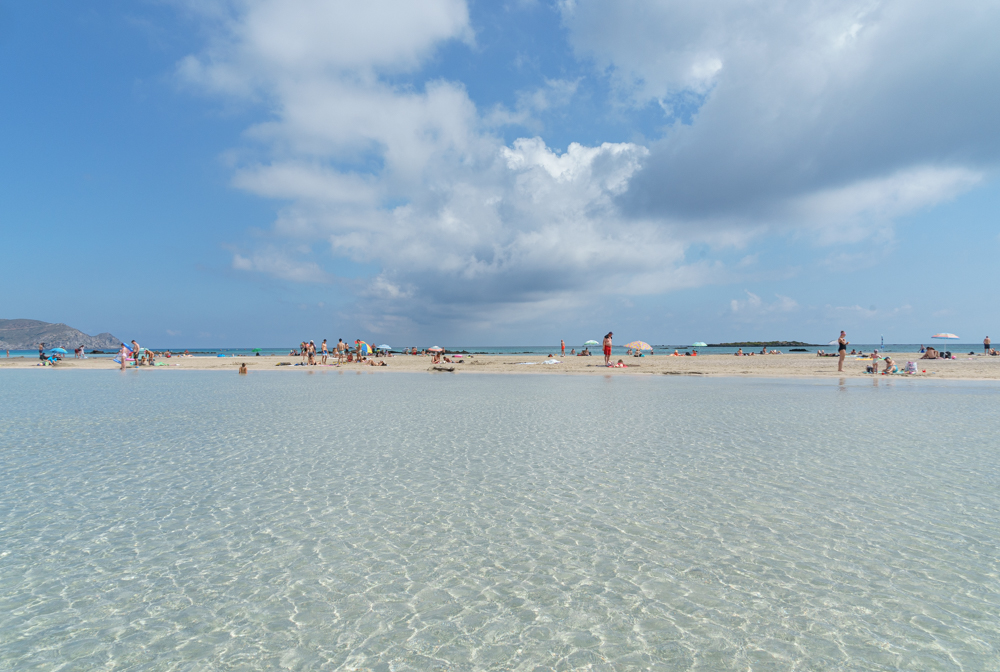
{"x":402,"y":522}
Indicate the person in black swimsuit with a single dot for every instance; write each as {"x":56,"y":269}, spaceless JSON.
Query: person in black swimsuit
{"x":842,"y":344}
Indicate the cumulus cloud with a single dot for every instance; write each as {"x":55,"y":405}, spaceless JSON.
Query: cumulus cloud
{"x":806,"y":111}
{"x":801,"y":116}
{"x":477,"y":228}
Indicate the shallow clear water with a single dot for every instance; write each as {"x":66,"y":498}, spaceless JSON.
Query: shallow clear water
{"x":197,"y":520}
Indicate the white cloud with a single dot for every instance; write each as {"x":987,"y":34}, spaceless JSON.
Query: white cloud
{"x":870,"y":312}
{"x":754,"y":305}
{"x":555,"y":93}
{"x":843,"y":210}
{"x":280,"y":265}
{"x":458,"y":221}
{"x":804,"y":114}
{"x":810,"y":117}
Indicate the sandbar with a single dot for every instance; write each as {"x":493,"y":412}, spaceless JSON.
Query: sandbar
{"x":797,"y":365}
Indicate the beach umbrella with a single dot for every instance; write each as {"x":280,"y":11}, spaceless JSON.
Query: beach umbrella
{"x":699,"y":344}
{"x":435,"y":349}
{"x":385,"y":347}
{"x":591,"y":343}
{"x":255,"y":350}
{"x":59,"y":350}
{"x":639,"y":345}
{"x":365,"y":348}
{"x":945,"y":335}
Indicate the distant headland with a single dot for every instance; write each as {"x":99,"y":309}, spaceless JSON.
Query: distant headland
{"x":27,"y":334}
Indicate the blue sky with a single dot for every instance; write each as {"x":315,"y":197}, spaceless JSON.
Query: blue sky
{"x":257,"y":173}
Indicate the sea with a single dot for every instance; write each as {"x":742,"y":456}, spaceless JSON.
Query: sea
{"x":357,"y":521}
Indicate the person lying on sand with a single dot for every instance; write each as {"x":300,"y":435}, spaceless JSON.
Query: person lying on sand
{"x":619,"y":365}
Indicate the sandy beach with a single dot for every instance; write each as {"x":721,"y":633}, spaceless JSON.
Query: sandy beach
{"x":768,"y":366}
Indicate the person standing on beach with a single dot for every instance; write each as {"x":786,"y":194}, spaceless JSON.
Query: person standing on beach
{"x":562,"y":346}
{"x":122,"y":352}
{"x":842,"y":344}
{"x":325,"y":352}
{"x":986,"y":345}
{"x":607,"y":348}
{"x":341,"y":346}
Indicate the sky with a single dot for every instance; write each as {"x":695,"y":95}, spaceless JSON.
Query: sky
{"x":225,"y":173}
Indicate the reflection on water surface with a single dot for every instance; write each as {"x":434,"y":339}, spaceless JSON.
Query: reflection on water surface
{"x":496,"y":522}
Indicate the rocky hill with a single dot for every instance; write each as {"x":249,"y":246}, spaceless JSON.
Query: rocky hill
{"x":27,"y":334}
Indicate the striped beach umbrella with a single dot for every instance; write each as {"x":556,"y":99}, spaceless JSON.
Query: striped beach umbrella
{"x":639,"y":345}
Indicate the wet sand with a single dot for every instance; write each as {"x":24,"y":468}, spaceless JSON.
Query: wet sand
{"x":768,"y":366}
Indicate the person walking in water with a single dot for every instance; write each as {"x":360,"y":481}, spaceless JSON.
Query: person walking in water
{"x":842,"y":344}
{"x":607,"y":348}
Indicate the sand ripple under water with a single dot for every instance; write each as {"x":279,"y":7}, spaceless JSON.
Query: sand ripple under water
{"x":210,"y":521}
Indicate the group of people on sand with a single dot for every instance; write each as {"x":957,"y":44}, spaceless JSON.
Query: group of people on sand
{"x":142,"y":357}
{"x":310,"y":355}
{"x":50,"y":359}
{"x":763,"y":351}
{"x":890,"y":366}
{"x":307,"y":352}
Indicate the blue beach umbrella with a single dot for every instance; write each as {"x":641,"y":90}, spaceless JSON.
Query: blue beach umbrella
{"x":385,"y":347}
{"x":59,"y":350}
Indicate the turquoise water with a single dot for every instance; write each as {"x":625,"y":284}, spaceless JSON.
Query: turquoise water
{"x":393,"y":522}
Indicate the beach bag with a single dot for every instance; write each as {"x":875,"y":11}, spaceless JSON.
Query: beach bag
{"x":911,"y":367}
